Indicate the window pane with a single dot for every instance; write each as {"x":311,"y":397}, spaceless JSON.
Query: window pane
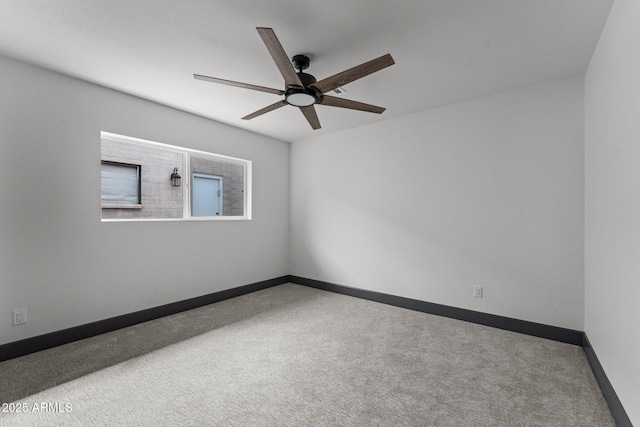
{"x":231,"y":186}
{"x":120,"y":184}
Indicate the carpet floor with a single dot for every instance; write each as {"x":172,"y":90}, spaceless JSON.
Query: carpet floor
{"x":296,"y":356}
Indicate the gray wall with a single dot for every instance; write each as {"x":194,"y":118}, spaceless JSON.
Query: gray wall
{"x":57,"y":258}
{"x":488,"y":192}
{"x":612,"y":204}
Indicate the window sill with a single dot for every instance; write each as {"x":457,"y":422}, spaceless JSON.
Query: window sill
{"x":132,"y":206}
{"x":194,"y":220}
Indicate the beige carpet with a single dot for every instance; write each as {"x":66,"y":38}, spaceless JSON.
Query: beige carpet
{"x":296,"y":356}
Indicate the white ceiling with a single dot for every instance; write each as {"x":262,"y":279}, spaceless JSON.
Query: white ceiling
{"x":446,"y":51}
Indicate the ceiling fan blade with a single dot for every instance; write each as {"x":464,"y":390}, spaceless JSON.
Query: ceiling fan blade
{"x":311,"y":116}
{"x":265,"y":110}
{"x":355,"y":73}
{"x":279,"y":56}
{"x":333,"y":101}
{"x":238,"y":84}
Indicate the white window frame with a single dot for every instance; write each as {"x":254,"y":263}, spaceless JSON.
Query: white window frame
{"x":185,"y":172}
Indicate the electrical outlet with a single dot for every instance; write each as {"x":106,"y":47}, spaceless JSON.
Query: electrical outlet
{"x":20,"y":316}
{"x":477,"y":291}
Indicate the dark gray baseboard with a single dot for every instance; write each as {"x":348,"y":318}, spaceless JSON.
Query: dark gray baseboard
{"x":54,"y":339}
{"x":615,"y":406}
{"x":554,"y":333}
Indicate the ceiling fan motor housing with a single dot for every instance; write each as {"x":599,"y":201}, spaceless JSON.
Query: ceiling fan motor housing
{"x":306,"y":95}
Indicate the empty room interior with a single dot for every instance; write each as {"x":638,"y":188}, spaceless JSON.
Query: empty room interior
{"x":447,"y":232}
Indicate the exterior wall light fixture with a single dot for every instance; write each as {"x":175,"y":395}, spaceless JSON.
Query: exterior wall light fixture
{"x":175,"y":178}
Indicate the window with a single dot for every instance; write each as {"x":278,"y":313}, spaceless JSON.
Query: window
{"x":136,"y":182}
{"x":120,"y":185}
{"x":211,"y":177}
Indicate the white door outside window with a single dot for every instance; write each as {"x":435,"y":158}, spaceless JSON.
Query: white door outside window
{"x":206,"y":195}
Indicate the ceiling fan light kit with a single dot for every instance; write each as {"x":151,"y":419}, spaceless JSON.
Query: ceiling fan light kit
{"x":302,"y":90}
{"x":300,"y":97}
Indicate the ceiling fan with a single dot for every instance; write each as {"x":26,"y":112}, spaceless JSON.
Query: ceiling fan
{"x":303,"y":90}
